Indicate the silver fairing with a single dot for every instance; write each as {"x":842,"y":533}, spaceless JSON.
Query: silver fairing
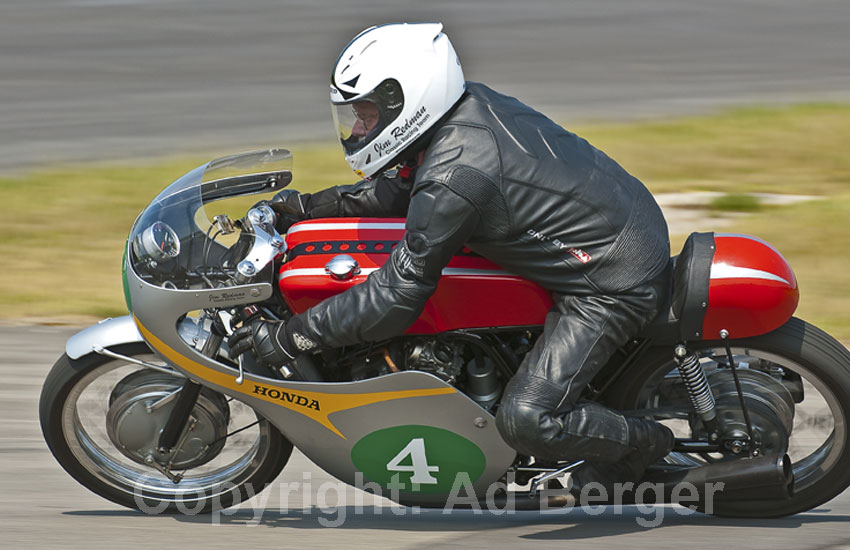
{"x":410,"y":425}
{"x":326,"y":420}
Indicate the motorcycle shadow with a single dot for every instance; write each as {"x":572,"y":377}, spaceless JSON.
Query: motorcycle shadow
{"x":570,"y":524}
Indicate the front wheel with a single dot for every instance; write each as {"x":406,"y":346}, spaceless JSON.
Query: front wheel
{"x":102,"y":417}
{"x":814,"y":369}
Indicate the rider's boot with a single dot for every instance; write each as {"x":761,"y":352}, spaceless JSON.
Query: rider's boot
{"x":650,"y":442}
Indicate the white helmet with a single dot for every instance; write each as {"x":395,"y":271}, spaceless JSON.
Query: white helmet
{"x":391,"y":84}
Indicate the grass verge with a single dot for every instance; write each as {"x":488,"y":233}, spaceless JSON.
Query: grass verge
{"x":799,"y":149}
{"x":64,"y":229}
{"x":735,"y":202}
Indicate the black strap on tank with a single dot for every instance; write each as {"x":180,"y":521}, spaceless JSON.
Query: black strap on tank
{"x":352,"y":247}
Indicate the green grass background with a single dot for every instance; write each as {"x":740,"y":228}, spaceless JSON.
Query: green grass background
{"x":63,"y":229}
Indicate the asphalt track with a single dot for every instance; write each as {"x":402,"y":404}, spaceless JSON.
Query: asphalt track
{"x":112,"y":79}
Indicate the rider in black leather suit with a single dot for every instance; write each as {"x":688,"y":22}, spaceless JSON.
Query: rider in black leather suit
{"x":514,"y":187}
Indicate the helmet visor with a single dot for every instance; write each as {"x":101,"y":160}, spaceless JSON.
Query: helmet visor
{"x":357,"y":123}
{"x":360,"y":121}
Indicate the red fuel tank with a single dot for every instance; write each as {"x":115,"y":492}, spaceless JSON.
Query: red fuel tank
{"x":752,"y":289}
{"x":473,"y":292}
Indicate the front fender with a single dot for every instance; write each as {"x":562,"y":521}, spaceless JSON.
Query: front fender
{"x":106,"y":333}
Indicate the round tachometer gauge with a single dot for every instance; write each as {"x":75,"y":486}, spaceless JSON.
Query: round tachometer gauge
{"x":158,"y":243}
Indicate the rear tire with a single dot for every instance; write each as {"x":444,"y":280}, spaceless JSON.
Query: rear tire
{"x":796,"y":346}
{"x":104,"y":470}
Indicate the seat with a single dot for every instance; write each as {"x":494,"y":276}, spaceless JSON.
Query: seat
{"x":683,"y":310}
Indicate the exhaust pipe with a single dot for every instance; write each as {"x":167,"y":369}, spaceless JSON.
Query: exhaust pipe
{"x":760,"y":478}
{"x":746,"y":479}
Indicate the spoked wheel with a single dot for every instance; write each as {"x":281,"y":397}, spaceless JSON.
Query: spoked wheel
{"x":796,"y":381}
{"x":102,"y":419}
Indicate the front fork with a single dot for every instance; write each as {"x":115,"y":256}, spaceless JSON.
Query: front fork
{"x":188,"y":397}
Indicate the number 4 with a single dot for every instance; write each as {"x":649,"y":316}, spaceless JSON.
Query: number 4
{"x":419,"y":463}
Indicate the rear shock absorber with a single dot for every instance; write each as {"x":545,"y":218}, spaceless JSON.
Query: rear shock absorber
{"x":699,"y":391}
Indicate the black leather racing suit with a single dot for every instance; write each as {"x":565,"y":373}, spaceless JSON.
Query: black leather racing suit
{"x":541,"y":202}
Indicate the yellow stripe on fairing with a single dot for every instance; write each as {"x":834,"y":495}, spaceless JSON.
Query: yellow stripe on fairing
{"x":327,"y":403}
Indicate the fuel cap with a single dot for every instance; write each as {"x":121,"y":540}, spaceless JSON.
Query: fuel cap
{"x":342,"y":267}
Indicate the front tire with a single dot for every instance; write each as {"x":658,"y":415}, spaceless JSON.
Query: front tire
{"x":821,"y":460}
{"x":73,"y":413}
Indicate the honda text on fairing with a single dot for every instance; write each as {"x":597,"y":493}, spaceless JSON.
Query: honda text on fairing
{"x":149,"y":410}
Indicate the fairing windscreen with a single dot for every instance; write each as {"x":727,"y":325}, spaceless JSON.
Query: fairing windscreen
{"x":177,"y":242}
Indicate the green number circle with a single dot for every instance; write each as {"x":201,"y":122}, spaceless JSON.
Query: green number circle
{"x":437,"y":458}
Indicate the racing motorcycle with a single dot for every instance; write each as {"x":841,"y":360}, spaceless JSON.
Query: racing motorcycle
{"x":149,"y":410}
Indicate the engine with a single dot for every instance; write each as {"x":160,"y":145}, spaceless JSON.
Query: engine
{"x":442,"y":360}
{"x":470,"y":370}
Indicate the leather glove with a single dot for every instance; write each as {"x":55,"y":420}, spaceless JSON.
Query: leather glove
{"x":265,"y":340}
{"x":288,"y":204}
{"x":288,"y":201}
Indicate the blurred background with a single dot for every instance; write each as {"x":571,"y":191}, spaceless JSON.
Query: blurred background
{"x":98,"y":79}
{"x":735,"y":113}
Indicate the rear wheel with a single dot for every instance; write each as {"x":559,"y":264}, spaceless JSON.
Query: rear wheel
{"x":102,"y":417}
{"x":798,"y":362}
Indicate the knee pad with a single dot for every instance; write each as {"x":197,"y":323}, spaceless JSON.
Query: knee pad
{"x":520,"y":426}
{"x":524,"y":418}
{"x":535,"y":428}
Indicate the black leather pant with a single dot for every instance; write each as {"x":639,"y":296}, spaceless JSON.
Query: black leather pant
{"x":540,"y":413}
